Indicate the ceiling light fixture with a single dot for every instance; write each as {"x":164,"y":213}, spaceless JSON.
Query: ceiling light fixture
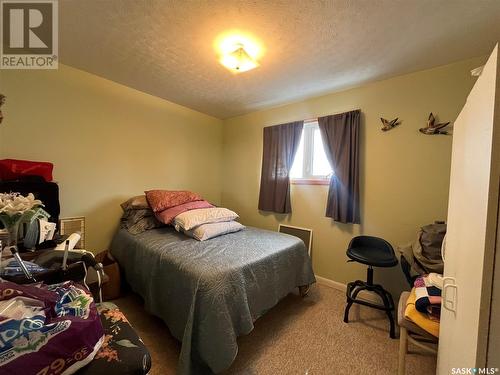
{"x":238,"y":52}
{"x":239,"y":60}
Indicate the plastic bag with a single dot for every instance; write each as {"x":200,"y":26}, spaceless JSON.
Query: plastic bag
{"x":47,"y":330}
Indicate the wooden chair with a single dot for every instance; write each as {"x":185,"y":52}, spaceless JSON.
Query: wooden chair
{"x":410,"y":332}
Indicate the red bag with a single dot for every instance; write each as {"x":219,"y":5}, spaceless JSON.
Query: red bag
{"x":11,"y":169}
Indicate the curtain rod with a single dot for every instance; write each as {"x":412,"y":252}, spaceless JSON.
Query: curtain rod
{"x":312,"y":119}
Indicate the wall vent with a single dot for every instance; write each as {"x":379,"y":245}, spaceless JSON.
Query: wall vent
{"x":71,"y":225}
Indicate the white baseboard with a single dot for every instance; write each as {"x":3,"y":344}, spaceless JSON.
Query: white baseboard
{"x":365,"y":295}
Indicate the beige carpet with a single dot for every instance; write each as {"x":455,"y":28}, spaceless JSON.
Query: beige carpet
{"x":298,"y":336}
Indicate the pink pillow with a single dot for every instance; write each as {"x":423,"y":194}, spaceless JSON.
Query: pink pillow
{"x":167,"y":216}
{"x":160,"y":200}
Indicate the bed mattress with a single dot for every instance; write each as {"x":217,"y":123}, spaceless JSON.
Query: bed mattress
{"x":209,"y":293}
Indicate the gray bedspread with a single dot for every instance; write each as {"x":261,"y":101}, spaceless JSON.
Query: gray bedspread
{"x":209,"y":293}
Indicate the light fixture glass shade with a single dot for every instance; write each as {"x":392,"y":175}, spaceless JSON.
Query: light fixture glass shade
{"x":238,"y":60}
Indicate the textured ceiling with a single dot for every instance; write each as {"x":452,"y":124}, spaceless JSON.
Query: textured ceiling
{"x":165,"y":48}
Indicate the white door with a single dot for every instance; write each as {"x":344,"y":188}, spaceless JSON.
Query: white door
{"x":472,"y":226}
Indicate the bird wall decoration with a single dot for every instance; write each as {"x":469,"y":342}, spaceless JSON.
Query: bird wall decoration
{"x":388,"y":125}
{"x":2,"y":101}
{"x":432,"y":128}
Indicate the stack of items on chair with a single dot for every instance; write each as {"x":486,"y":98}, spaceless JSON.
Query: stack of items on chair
{"x":423,"y":306}
{"x":186,"y":211}
{"x":418,"y":316}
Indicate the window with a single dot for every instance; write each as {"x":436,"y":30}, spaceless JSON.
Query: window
{"x":311,"y":164}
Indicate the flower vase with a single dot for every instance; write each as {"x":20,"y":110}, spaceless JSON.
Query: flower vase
{"x":12,"y":228}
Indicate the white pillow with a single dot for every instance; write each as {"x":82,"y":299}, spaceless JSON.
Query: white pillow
{"x":190,"y":219}
{"x":207,"y":231}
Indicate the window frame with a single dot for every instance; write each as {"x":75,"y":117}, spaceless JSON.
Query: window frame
{"x":308,"y":158}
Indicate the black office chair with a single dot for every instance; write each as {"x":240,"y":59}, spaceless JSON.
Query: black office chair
{"x":374,"y":252}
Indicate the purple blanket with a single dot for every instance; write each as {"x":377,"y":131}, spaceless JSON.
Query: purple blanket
{"x":47,"y":329}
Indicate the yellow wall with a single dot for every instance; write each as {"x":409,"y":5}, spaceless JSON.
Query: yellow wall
{"x":404,"y":174}
{"x":107,"y":142}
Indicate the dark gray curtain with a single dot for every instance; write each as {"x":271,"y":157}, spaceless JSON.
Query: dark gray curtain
{"x":280,"y":145}
{"x":340,"y":135}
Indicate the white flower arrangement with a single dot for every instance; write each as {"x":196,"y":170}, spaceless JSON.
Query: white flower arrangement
{"x":13,"y":206}
{"x":15,"y":203}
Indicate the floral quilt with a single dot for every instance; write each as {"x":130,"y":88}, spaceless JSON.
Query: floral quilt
{"x":122,"y":351}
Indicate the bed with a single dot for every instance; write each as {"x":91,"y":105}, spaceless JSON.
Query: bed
{"x":210,"y":292}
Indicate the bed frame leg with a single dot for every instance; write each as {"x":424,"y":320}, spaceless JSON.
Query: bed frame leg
{"x":304,"y":290}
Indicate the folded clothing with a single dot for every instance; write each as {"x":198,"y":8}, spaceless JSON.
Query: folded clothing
{"x":167,"y":216}
{"x":420,"y":319}
{"x":435,"y":279}
{"x":207,"y":231}
{"x":193,"y":218}
{"x":160,"y":200}
{"x":428,"y":297}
